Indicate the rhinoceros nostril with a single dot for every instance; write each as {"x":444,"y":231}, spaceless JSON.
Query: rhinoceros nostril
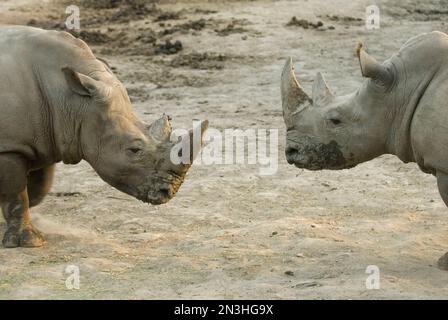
{"x":291,"y":154}
{"x":165,"y":193}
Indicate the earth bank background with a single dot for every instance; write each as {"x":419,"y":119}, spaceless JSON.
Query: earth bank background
{"x":231,"y":233}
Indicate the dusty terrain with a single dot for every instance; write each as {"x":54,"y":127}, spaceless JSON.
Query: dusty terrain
{"x":231,"y":233}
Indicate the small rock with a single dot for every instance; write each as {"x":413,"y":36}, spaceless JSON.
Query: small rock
{"x":289,"y":273}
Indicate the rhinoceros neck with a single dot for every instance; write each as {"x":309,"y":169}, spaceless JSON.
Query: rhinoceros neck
{"x":63,"y":119}
{"x":67,"y":122}
{"x":399,"y":142}
{"x":414,"y":77}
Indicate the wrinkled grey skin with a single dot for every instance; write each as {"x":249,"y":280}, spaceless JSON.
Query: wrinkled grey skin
{"x":401,"y":109}
{"x":59,"y":103}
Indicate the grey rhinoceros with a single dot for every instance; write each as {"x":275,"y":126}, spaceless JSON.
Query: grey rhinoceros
{"x":60,"y":103}
{"x":401,"y":109}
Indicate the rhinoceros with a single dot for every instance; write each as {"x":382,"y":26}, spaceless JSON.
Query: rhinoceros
{"x":58,"y":102}
{"x":400,"y":109}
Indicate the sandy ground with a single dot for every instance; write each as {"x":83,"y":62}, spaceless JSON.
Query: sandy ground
{"x":231,"y":233}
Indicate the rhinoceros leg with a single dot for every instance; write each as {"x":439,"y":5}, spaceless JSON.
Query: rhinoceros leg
{"x":39,"y":184}
{"x":20,"y":231}
{"x":15,"y":204}
{"x":442,"y":184}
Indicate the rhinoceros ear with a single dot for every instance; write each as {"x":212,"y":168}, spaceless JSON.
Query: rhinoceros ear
{"x":370,"y":68}
{"x":82,"y":84}
{"x":321,"y":92}
{"x":161,"y":129}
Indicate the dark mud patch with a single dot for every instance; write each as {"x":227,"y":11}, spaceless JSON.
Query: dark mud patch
{"x":204,"y":11}
{"x":65,"y":194}
{"x":195,"y":25}
{"x":146,"y":42}
{"x":231,"y":28}
{"x":101,"y":4}
{"x":168,"y":47}
{"x":99,"y":13}
{"x":144,"y":79}
{"x":306,"y":24}
{"x":92,"y":37}
{"x":213,"y":60}
{"x":421,"y":14}
{"x":201,"y":61}
{"x":316,"y":156}
{"x":430,"y":10}
{"x":165,"y":16}
{"x":345,"y":20}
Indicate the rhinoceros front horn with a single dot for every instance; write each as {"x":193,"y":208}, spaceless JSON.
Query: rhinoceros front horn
{"x":294,"y":98}
{"x":370,"y":68}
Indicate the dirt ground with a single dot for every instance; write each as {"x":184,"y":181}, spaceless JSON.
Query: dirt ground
{"x":231,"y":233}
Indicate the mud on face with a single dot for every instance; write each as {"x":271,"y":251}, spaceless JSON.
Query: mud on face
{"x":309,"y":154}
{"x":161,"y":186}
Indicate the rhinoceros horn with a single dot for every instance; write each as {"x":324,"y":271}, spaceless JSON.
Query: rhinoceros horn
{"x":195,"y":134}
{"x":161,"y":129}
{"x":294,"y":98}
{"x":370,"y":68}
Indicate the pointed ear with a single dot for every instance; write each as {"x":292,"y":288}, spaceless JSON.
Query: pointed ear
{"x":370,"y":68}
{"x":82,"y":84}
{"x":321,"y":92}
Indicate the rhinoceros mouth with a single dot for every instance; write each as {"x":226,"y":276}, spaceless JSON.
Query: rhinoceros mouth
{"x":160,"y":189}
{"x":316,"y":156}
{"x":160,"y":196}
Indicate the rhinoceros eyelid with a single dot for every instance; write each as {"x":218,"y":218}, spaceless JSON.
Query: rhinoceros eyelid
{"x":137,"y":142}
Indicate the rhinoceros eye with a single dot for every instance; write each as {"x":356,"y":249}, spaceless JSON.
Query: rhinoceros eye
{"x":134,"y":151}
{"x":335,"y":121}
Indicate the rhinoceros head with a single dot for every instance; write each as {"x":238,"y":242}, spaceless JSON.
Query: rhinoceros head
{"x":133,"y":157}
{"x":336,"y":132}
